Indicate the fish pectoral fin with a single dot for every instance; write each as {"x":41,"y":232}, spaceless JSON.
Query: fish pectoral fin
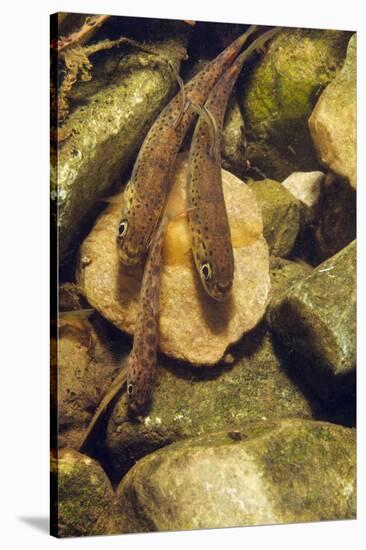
{"x":212,"y":127}
{"x":184,"y":103}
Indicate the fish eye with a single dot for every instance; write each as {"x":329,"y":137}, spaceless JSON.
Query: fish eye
{"x":122,"y":229}
{"x":206,"y":271}
{"x":129,"y":389}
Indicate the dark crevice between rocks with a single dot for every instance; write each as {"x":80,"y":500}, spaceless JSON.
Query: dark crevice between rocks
{"x":337,"y":403}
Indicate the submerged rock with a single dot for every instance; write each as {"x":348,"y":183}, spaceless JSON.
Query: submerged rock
{"x":333,"y":121}
{"x":280,"y":95}
{"x":249,"y":385}
{"x":285,"y":273}
{"x":82,"y":494}
{"x":281,"y":215}
{"x":307,"y":187}
{"x":316,"y":320}
{"x":83,"y":365}
{"x":106,"y":132}
{"x":233,"y":140}
{"x":193,"y":326}
{"x":263,"y":473}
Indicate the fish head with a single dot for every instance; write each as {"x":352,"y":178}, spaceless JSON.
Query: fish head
{"x":215,"y":264}
{"x":140,"y":381}
{"x":131,"y":238}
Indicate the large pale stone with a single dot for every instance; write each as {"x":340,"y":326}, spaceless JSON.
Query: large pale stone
{"x":263,"y":473}
{"x":333,"y":120}
{"x":193,"y":326}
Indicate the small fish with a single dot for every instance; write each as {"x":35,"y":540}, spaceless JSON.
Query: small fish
{"x":142,"y":359}
{"x":147,"y":191}
{"x":211,"y":238}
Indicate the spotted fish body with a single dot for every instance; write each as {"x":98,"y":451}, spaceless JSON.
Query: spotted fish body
{"x":208,"y":220}
{"x":147,"y":191}
{"x":142,"y":359}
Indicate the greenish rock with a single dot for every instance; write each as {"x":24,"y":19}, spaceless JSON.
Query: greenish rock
{"x":233,"y":148}
{"x":315,"y":319}
{"x":249,"y":384}
{"x":280,"y":95}
{"x":281,"y":213}
{"x":106,"y":132}
{"x":333,"y":120}
{"x":272,"y":472}
{"x":81,"y":495}
{"x":285,"y":273}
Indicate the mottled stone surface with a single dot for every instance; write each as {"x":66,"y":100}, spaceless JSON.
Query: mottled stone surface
{"x":84,"y":494}
{"x":307,"y":187}
{"x":83,"y":365}
{"x":333,"y":121}
{"x":193,"y":326}
{"x":249,"y":384}
{"x":280,"y":95}
{"x":281,"y":213}
{"x":106,"y":132}
{"x":285,"y":273}
{"x":263,"y":473}
{"x":316,"y":319}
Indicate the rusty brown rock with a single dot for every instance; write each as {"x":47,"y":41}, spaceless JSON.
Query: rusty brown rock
{"x":193,"y":327}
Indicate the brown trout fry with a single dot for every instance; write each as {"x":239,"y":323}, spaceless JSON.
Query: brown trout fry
{"x":147,"y":191}
{"x":208,"y":220}
{"x":142,"y":359}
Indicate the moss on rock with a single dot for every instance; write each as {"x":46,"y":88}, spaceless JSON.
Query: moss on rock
{"x":84,"y":494}
{"x":270,"y":472}
{"x":106,"y":132}
{"x":316,"y":320}
{"x":280,"y":95}
{"x":249,"y":384}
{"x":281,"y":214}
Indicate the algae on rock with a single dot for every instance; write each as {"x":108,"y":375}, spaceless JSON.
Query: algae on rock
{"x":106,"y":133}
{"x":280,"y":94}
{"x":281,"y":213}
{"x":263,"y":473}
{"x":316,"y":320}
{"x":191,"y":402}
{"x":81,"y":494}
